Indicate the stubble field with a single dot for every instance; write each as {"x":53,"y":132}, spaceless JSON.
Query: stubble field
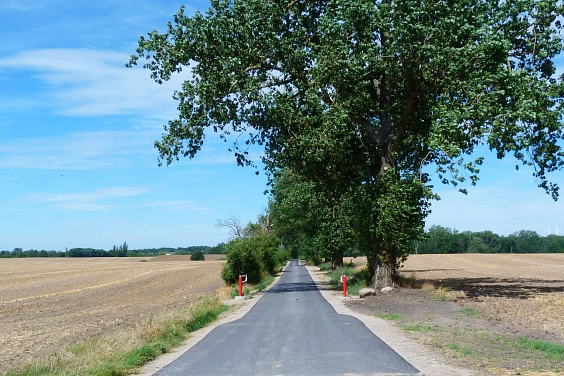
{"x":46,"y":304}
{"x":526,"y":290}
{"x":481,"y":311}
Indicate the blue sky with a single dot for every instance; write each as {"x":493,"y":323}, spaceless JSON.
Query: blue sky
{"x":77,"y":163}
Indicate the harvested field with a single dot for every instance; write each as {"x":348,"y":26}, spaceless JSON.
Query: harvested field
{"x":46,"y":304}
{"x":525,"y":290}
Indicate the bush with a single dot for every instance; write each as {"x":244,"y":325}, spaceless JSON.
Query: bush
{"x":197,"y":256}
{"x":257,"y":257}
{"x":241,"y":259}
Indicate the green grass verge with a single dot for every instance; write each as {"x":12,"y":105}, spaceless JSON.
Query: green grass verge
{"x":267,"y":281}
{"x":159,"y":340}
{"x":389,"y":316}
{"x":550,"y":350}
{"x":356,"y":279}
{"x":419,"y":328}
{"x":264,"y":283}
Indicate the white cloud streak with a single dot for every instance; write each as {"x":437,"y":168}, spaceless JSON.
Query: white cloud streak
{"x":21,"y":5}
{"x":79,"y":151}
{"x":182,"y":206}
{"x":87,"y":201}
{"x":84,"y":82}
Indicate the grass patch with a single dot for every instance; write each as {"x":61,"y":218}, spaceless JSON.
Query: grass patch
{"x":357,"y":279}
{"x":355,"y":288}
{"x":264,"y":283}
{"x":550,"y":350}
{"x":389,"y":316}
{"x":326,"y":266}
{"x":461,"y":350}
{"x":235,"y":292}
{"x":103,"y":356}
{"x":419,"y":328}
{"x":470,"y":312}
{"x":336,"y":274}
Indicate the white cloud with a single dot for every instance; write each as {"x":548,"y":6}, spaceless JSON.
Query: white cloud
{"x":22,"y":5}
{"x":79,"y":151}
{"x":87,"y":201}
{"x":84,"y":82}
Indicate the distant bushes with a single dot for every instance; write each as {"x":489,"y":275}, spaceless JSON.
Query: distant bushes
{"x":197,"y":256}
{"x":257,"y":257}
{"x":119,"y":251}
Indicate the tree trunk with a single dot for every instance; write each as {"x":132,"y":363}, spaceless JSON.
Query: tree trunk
{"x":382,"y":274}
{"x":337,"y":259}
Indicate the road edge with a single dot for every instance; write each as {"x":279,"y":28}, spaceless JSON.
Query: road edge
{"x":238,"y":310}
{"x":412,"y":352}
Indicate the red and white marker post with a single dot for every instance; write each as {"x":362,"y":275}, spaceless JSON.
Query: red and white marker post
{"x":344,"y":282}
{"x":242,"y":278}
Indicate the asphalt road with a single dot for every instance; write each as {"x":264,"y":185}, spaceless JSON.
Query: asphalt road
{"x":292,"y":330}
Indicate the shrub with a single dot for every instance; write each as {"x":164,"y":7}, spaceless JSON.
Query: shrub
{"x":197,"y":256}
{"x":256,"y":257}
{"x":241,"y":259}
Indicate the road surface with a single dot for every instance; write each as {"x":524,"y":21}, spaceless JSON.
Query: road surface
{"x":292,"y":330}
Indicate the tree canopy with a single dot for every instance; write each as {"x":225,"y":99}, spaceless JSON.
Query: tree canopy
{"x":358,"y":97}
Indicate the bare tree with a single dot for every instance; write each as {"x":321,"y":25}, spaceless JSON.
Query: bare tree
{"x":234,"y":225}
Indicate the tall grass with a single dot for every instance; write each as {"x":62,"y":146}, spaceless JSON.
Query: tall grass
{"x":357,"y":279}
{"x":248,"y":289}
{"x":123,"y":353}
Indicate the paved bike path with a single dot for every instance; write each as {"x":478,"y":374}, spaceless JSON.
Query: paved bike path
{"x":291,"y":330}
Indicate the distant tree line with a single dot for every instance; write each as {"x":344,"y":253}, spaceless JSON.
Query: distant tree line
{"x":446,"y":240}
{"x":117,"y":251}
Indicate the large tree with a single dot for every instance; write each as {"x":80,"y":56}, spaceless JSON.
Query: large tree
{"x":364,"y":94}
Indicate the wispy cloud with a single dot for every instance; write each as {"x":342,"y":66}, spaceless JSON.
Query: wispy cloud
{"x":22,"y":5}
{"x":85,"y":82}
{"x":79,"y":151}
{"x":181,"y":206}
{"x":88,"y":201}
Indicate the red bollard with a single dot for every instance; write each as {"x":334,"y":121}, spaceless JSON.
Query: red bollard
{"x":240,"y":285}
{"x":344,"y":280}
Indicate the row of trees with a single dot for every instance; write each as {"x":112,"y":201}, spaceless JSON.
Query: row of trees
{"x":117,"y":251}
{"x":311,"y":243}
{"x":445,"y":240}
{"x":352,"y":101}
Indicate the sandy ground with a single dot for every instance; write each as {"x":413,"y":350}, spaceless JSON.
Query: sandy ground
{"x":46,"y":304}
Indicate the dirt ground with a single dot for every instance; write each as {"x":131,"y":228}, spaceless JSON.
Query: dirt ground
{"x":46,"y":304}
{"x":475,"y":309}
